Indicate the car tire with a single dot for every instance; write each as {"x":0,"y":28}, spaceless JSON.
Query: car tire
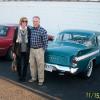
{"x":88,"y":72}
{"x":9,"y":54}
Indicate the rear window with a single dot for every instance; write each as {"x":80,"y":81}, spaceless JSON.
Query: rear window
{"x":3,"y":30}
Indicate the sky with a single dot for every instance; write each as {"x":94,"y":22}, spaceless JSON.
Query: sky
{"x":55,"y":16}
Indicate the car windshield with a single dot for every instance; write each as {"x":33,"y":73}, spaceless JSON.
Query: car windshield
{"x":75,"y":37}
{"x":3,"y":30}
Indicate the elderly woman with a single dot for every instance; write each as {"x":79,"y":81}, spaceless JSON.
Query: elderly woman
{"x":21,"y":47}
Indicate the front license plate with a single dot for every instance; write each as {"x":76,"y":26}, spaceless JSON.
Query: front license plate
{"x":49,"y":68}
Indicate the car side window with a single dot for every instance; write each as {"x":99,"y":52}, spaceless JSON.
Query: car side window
{"x":3,"y":30}
{"x":98,"y":40}
{"x":67,"y":37}
{"x":59,"y":37}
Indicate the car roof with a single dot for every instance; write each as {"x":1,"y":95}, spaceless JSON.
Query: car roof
{"x":9,"y":25}
{"x":87,"y":32}
{"x":12,"y":25}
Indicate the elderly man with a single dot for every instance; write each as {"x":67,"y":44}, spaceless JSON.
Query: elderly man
{"x":38,"y":45}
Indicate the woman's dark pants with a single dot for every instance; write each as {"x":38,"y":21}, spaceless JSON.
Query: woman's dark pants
{"x":22,"y":64}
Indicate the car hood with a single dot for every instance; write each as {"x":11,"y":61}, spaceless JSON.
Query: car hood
{"x":68,"y":49}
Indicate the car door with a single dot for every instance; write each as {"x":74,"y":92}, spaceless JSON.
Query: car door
{"x":3,"y":39}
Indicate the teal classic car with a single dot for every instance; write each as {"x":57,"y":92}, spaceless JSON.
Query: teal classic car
{"x":74,"y":51}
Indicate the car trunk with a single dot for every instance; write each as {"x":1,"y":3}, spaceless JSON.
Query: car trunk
{"x":61,"y":54}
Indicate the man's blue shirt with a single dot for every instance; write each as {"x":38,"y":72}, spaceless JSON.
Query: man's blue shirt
{"x":39,"y":38}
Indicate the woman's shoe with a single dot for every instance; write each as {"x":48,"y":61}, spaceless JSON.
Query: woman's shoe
{"x":19,"y":79}
{"x":23,"y":80}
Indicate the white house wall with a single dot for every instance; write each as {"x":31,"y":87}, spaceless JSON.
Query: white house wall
{"x":55,"y":16}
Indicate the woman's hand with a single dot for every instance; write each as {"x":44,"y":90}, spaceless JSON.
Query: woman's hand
{"x":14,"y":55}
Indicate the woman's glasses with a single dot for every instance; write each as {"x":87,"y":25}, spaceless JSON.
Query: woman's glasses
{"x":24,"y":21}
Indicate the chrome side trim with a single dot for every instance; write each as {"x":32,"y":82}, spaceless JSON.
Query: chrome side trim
{"x":87,"y":55}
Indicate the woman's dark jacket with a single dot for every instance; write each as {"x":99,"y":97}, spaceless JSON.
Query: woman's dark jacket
{"x":17,"y":46}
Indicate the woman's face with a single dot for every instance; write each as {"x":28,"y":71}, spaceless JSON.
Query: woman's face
{"x":24,"y":23}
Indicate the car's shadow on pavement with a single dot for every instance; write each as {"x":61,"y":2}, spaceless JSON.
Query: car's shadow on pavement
{"x":66,"y":87}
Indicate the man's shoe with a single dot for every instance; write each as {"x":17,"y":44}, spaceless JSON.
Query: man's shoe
{"x":40,"y":83}
{"x":31,"y":80}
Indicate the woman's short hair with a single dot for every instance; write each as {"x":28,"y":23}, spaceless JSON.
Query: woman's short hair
{"x":22,"y":19}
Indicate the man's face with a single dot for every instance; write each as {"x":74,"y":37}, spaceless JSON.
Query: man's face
{"x":36,"y":22}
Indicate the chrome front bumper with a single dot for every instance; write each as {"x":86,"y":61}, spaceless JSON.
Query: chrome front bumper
{"x":54,"y":67}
